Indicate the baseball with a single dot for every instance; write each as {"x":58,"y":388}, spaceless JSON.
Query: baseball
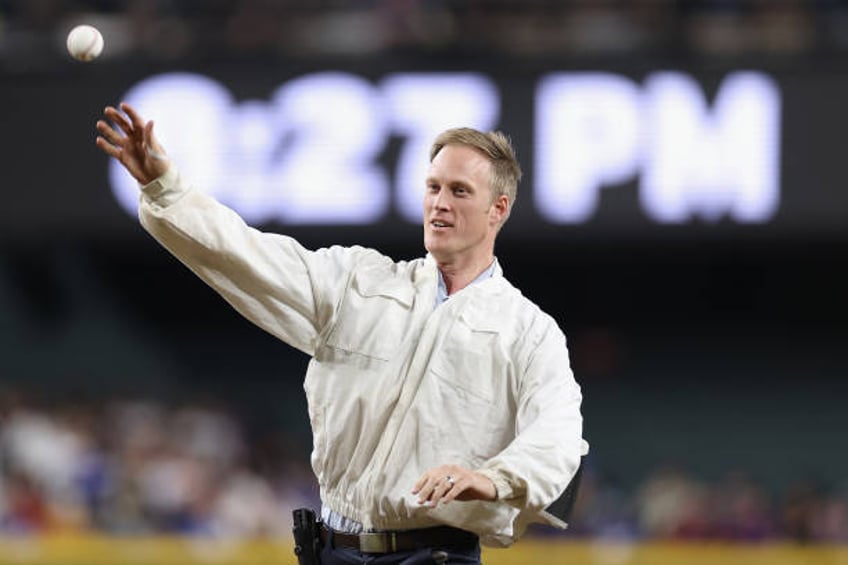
{"x":85,"y":42}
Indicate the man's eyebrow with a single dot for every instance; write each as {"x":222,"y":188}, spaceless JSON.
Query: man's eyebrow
{"x":463,"y":183}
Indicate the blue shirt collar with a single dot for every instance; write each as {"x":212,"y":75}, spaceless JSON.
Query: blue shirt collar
{"x":442,"y":291}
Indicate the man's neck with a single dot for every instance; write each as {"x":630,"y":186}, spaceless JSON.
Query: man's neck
{"x":457,"y":276}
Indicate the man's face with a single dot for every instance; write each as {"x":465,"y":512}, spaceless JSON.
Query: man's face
{"x":460,"y":219}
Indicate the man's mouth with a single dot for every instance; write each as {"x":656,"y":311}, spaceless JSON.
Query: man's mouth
{"x":439,"y":224}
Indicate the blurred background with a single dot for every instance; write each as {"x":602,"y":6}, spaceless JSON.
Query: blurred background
{"x":683,"y":216}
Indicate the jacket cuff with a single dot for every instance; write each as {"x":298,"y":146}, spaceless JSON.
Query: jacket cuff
{"x":164,"y":190}
{"x":503,"y":489}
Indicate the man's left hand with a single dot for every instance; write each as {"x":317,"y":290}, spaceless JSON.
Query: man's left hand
{"x":452,"y":482}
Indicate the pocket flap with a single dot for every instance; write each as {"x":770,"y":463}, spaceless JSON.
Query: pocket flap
{"x":395,"y":288}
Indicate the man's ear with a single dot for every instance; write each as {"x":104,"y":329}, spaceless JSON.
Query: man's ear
{"x":499,"y":209}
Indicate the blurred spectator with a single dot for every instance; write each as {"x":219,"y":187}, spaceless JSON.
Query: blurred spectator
{"x":247,"y":507}
{"x":830,"y":524}
{"x":603,"y":508}
{"x":604,"y":27}
{"x":671,"y":504}
{"x":718,"y":27}
{"x":785,"y":27}
{"x":799,"y":511}
{"x":744,"y":511}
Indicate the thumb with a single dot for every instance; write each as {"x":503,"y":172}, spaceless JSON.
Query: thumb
{"x":152,"y":145}
{"x":156,"y":162}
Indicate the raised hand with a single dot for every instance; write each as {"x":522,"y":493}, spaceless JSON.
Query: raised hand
{"x":132,"y":143}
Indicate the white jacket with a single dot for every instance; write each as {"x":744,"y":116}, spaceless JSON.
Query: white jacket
{"x":394,"y":386}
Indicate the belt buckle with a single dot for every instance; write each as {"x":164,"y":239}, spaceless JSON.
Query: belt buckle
{"x":378,"y":542}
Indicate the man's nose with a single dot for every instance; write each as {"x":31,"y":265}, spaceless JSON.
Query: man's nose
{"x":440,"y":201}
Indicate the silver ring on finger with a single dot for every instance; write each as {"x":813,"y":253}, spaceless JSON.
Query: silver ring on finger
{"x":450,"y":480}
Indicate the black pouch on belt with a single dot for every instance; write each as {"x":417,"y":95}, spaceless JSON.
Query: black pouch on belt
{"x":307,"y":540}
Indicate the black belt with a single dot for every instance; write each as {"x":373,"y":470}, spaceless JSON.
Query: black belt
{"x":402,"y":540}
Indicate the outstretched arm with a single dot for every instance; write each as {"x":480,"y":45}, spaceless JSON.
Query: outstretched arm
{"x":268,"y":278}
{"x":131,"y":141}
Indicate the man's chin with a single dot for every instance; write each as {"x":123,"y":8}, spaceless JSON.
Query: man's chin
{"x":438,"y":252}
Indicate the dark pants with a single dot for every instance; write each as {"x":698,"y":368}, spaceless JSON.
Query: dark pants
{"x":428,"y":556}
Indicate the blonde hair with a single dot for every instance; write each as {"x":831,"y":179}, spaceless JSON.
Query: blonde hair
{"x":506,"y":172}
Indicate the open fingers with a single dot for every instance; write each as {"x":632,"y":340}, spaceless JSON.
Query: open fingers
{"x":109,"y":133}
{"x":110,"y":140}
{"x":117,"y":118}
{"x":130,"y":140}
{"x":135,"y":118}
{"x":108,"y":147}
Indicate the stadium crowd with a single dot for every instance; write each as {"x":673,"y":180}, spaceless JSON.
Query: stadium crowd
{"x":168,"y":30}
{"x":136,"y":467}
{"x":142,"y":467}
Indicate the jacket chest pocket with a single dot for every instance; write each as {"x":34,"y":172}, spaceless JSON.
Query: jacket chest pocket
{"x":469,"y":374}
{"x":372,"y":317}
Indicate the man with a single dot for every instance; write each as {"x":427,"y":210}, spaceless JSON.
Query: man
{"x":443,"y":408}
